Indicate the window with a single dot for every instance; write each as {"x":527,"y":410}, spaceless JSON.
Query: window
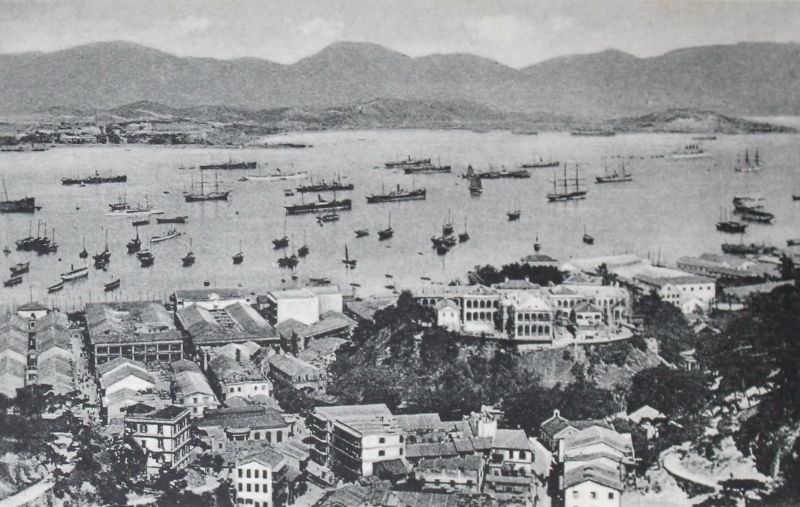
{"x":611,"y":495}
{"x":255,"y":474}
{"x":279,"y":436}
{"x":247,"y":473}
{"x":593,"y":495}
{"x":381,"y":453}
{"x":401,"y":451}
{"x":248,"y":486}
{"x":382,"y":440}
{"x":575,"y":494}
{"x":256,"y":487}
{"x":256,"y":436}
{"x":240,"y":486}
{"x":240,"y":473}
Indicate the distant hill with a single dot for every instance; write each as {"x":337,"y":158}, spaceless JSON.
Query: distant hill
{"x":740,"y":79}
{"x":398,"y":113}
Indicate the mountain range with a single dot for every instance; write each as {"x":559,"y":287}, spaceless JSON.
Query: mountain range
{"x":738,"y":79}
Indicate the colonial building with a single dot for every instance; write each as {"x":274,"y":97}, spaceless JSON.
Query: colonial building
{"x":143,"y":331}
{"x":245,"y":423}
{"x":220,"y":325}
{"x":293,"y":372}
{"x":689,"y":293}
{"x":163,"y":434}
{"x":303,"y":305}
{"x":260,"y":480}
{"x":191,"y":389}
{"x":240,"y":378}
{"x":450,"y":475}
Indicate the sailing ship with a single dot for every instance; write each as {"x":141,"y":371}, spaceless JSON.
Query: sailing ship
{"x":102,"y":259}
{"x":288,"y":261}
{"x":620,"y":176}
{"x":215,"y":195}
{"x":170,"y":234}
{"x":112,"y":285}
{"x":447,"y":227}
{"x":475,"y":183}
{"x":399,"y":194}
{"x":537,"y":246}
{"x":323,"y":186}
{"x":319,"y":206}
{"x":388,"y":232}
{"x":566,"y":193}
{"x":229,"y":165}
{"x":748,"y":165}
{"x":141,"y":210}
{"x":44,"y":245}
{"x":95,"y":179}
{"x":24,"y":205}
{"x":347,"y":261}
{"x":75,"y":273}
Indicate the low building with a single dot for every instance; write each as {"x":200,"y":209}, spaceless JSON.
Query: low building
{"x":293,"y":372}
{"x":246,"y":423}
{"x":140,"y":330}
{"x":690,"y":293}
{"x":586,"y":314}
{"x":725,"y":267}
{"x":592,"y":486}
{"x":357,"y":440}
{"x":450,"y":475}
{"x":239,"y":378}
{"x":191,"y":389}
{"x":295,"y":335}
{"x":322,"y":352}
{"x":363,"y":310}
{"x":163,"y":434}
{"x":210,"y":299}
{"x":511,"y":451}
{"x":303,"y":305}
{"x":540,"y":261}
{"x":555,"y":428}
{"x":448,"y":315}
{"x":236,"y":322}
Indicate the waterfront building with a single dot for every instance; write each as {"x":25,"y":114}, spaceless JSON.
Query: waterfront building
{"x":245,"y":423}
{"x":540,"y":261}
{"x":295,"y":335}
{"x":163,"y":434}
{"x":236,"y":322}
{"x":210,"y":299}
{"x":526,"y":317}
{"x":363,"y":310}
{"x":690,"y":293}
{"x":726,"y":267}
{"x":141,"y":330}
{"x":304,"y":305}
{"x":357,"y":440}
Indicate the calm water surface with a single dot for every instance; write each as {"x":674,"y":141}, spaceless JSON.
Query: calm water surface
{"x":670,"y":207}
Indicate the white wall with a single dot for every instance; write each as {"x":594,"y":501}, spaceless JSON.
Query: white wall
{"x":580,"y":495}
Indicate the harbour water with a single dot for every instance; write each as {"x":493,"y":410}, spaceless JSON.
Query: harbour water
{"x":669,"y":209}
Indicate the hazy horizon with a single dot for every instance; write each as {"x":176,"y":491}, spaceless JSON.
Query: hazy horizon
{"x":517,"y":33}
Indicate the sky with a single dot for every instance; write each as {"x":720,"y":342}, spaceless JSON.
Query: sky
{"x":513,"y":32}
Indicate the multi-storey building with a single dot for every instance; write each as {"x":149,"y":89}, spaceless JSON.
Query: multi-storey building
{"x":141,"y":330}
{"x":163,"y":434}
{"x":246,"y":423}
{"x":303,"y":305}
{"x":240,"y":378}
{"x":219,"y":325}
{"x":259,"y":479}
{"x":451,"y":475}
{"x":526,"y":317}
{"x":357,"y":440}
{"x":191,"y":389}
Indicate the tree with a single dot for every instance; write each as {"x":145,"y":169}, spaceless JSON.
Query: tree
{"x":666,"y":324}
{"x":673,"y":392}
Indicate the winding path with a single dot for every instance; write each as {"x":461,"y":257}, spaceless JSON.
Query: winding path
{"x":27,"y":495}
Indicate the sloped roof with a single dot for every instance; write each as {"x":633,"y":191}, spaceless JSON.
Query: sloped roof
{"x":598,"y":434}
{"x":53,"y":337}
{"x":288,"y":327}
{"x":430,"y":450}
{"x":124,"y":372}
{"x":192,"y":382}
{"x":645,"y":412}
{"x":511,"y":439}
{"x":554,"y":424}
{"x":292,"y":366}
{"x":470,"y":463}
{"x":595,"y":473}
{"x":419,"y":422}
{"x":102,"y":369}
{"x":322,"y":347}
{"x":237,"y":322}
{"x":208,"y":294}
{"x":184,"y":365}
{"x":446,"y":303}
{"x":33,"y":306}
{"x":265,"y":456}
{"x":586,"y":306}
{"x":255,"y":417}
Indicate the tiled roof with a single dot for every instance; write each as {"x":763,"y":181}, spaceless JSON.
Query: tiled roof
{"x":432,"y":450}
{"x":265,"y":456}
{"x":586,"y":306}
{"x":9,"y":366}
{"x":292,"y":366}
{"x":53,"y":337}
{"x":446,"y":303}
{"x":598,"y":434}
{"x":184,"y":365}
{"x":511,"y":439}
{"x":251,"y":417}
{"x":102,"y":369}
{"x":237,"y":322}
{"x":325,"y":326}
{"x":111,"y":378}
{"x":470,"y":463}
{"x":673,"y":280}
{"x":595,"y":473}
{"x":208,"y":294}
{"x":230,"y":370}
{"x":418,"y":422}
{"x":168,"y":413}
{"x":321,"y":347}
{"x":192,"y":382}
{"x":554,"y":424}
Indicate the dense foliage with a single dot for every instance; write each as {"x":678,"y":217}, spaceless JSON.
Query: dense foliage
{"x":676,"y":393}
{"x":666,"y":324}
{"x":542,"y":275}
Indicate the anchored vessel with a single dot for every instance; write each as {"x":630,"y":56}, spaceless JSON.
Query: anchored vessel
{"x":319,"y":206}
{"x":566,"y":193}
{"x":215,"y":195}
{"x":170,"y":234}
{"x":409,"y":162}
{"x":399,"y":194}
{"x":229,"y":165}
{"x":95,"y":179}
{"x":75,"y":273}
{"x":323,"y":186}
{"x":24,"y":205}
{"x":616,"y":177}
{"x":748,"y":165}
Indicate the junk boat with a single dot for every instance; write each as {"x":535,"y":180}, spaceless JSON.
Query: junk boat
{"x":388,"y":232}
{"x":146,"y":258}
{"x":567,"y":194}
{"x":135,"y":244}
{"x":464,"y":236}
{"x":238,"y":257}
{"x":327,"y":217}
{"x":399,"y":194}
{"x":587,"y":238}
{"x":20,"y":268}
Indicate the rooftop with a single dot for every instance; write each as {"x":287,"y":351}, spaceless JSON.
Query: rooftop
{"x":595,"y":473}
{"x":254,"y":417}
{"x":674,"y":280}
{"x":598,"y":434}
{"x":192,"y":382}
{"x":292,"y":366}
{"x":230,"y":370}
{"x":511,"y":439}
{"x":215,"y":294}
{"x":292,"y":294}
{"x":104,"y":368}
{"x":470,"y":463}
{"x":130,"y":322}
{"x":237,"y":322}
{"x":168,"y":413}
{"x":265,"y":456}
{"x":110,"y":378}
